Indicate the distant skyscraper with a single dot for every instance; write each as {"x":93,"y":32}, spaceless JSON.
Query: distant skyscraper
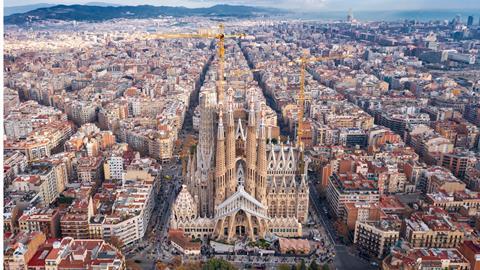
{"x":456,"y":20}
{"x":470,"y":20}
{"x":350,"y":15}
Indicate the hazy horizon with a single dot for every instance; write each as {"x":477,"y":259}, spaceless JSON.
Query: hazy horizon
{"x":298,"y":5}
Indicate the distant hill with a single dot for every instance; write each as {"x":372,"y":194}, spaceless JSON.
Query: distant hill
{"x":25,"y":8}
{"x":102,"y":13}
{"x":101,"y":4}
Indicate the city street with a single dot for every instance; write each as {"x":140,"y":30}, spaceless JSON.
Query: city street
{"x":344,"y":257}
{"x":269,"y":262}
{"x":154,"y":246}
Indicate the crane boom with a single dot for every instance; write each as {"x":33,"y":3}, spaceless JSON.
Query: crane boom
{"x":220,"y":37}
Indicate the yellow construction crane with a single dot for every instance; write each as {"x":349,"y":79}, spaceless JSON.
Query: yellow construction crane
{"x":220,"y":36}
{"x":303,"y":60}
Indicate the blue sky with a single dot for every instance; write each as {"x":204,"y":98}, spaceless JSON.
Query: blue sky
{"x":317,"y":5}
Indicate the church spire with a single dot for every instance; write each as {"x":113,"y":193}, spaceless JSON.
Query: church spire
{"x":261,"y":185}
{"x":251,"y":115}
{"x":230,"y":178}
{"x":230,"y":121}
{"x":251,"y":152}
{"x":220,"y":133}
{"x":220,"y":163}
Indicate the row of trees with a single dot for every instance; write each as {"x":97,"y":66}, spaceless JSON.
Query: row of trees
{"x":220,"y":264}
{"x":303,"y":266}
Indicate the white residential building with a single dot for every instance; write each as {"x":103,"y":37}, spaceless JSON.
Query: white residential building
{"x":113,"y":168}
{"x":132,"y":208}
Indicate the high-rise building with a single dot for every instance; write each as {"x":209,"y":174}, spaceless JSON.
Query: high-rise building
{"x":470,"y":20}
{"x":350,"y":15}
{"x":457,"y":19}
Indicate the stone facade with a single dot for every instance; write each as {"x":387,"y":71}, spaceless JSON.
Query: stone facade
{"x":238,"y":184}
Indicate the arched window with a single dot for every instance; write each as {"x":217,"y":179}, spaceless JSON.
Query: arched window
{"x":240,"y":175}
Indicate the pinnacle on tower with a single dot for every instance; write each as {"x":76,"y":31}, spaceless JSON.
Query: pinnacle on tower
{"x":262,"y":134}
{"x":220,"y":133}
{"x":230,"y":121}
{"x":251,"y":115}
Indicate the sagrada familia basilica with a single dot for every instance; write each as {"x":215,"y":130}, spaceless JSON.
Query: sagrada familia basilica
{"x":239,"y":183}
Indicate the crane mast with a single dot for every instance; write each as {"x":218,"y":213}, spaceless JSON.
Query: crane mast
{"x":220,"y":37}
{"x":301,"y":94}
{"x":301,"y":101}
{"x":221,"y":65}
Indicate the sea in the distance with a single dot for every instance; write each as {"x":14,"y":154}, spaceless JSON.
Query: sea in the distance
{"x":418,"y":15}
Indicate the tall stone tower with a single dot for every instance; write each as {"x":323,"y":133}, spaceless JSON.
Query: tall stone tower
{"x":261,"y":177}
{"x":251,"y":152}
{"x":230,"y":179}
{"x":220,"y":169}
{"x":204,"y":174}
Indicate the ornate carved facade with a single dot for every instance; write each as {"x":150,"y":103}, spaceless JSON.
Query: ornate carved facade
{"x":238,"y":183}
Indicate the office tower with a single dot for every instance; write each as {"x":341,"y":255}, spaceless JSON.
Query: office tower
{"x":470,"y":20}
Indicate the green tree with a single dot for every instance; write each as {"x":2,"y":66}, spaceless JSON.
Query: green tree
{"x":217,"y":264}
{"x":314,"y":266}
{"x":189,"y":266}
{"x":325,"y":267}
{"x":302,"y":265}
{"x":284,"y":266}
{"x":65,"y":200}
